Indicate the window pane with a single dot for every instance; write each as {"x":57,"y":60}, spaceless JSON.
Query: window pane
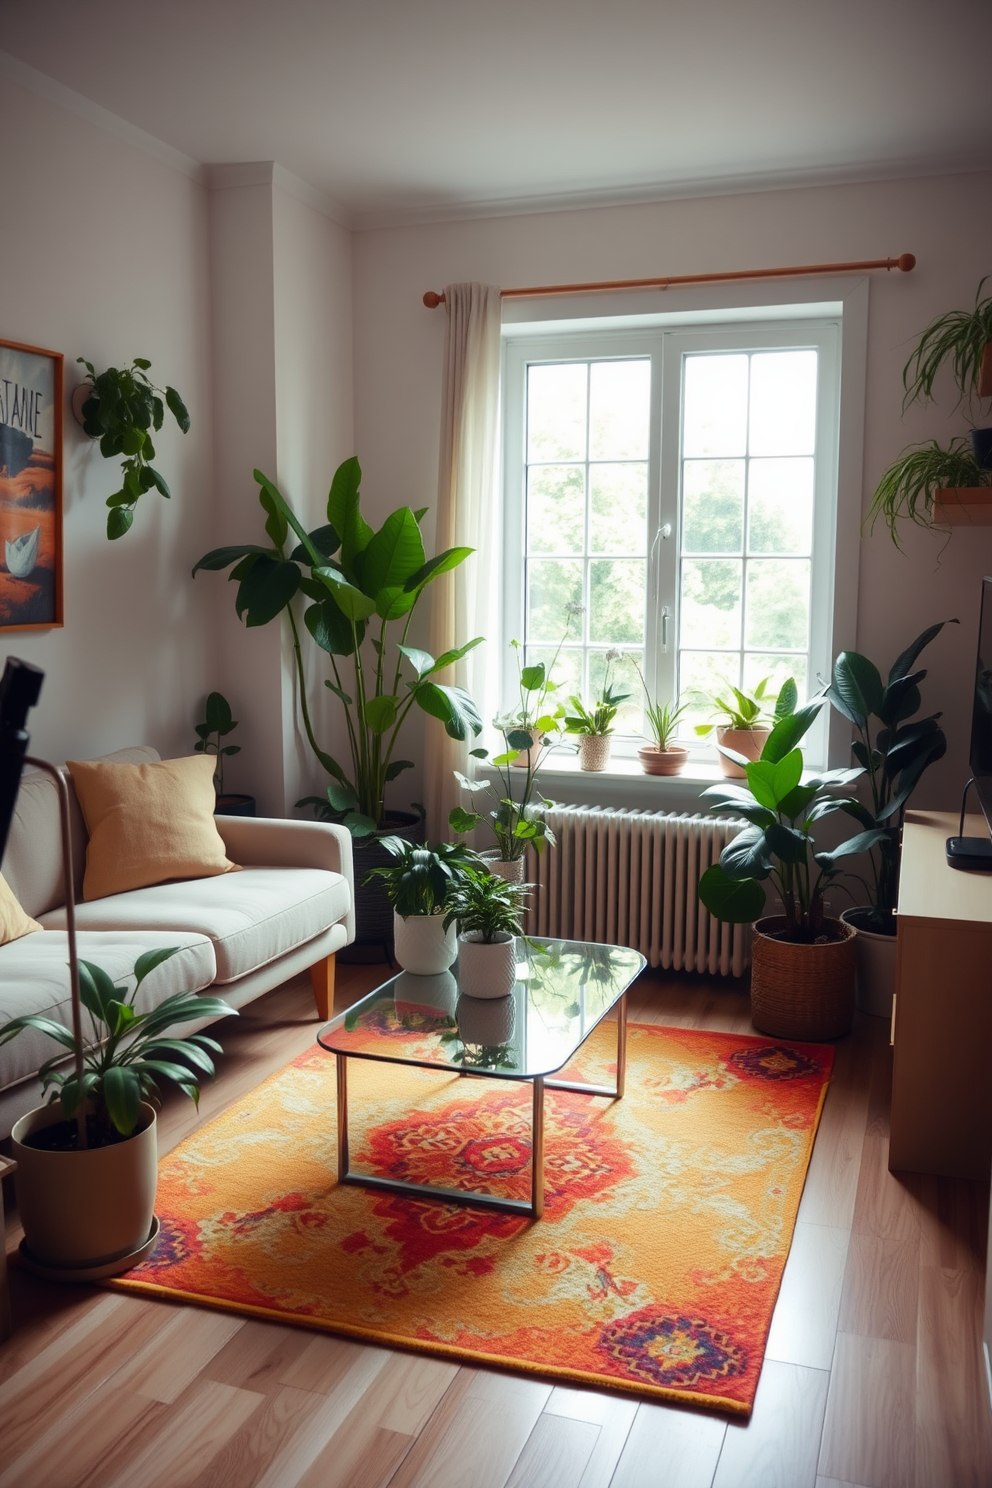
{"x":777,"y":604}
{"x":616,"y":601}
{"x":618,"y":508}
{"x":552,"y":585}
{"x":780,"y":506}
{"x":701,"y":674}
{"x":713,"y":506}
{"x":556,"y":509}
{"x":711,"y":602}
{"x":714,"y":416}
{"x":619,"y":398}
{"x":623,"y":678}
{"x":778,"y":668}
{"x":567,"y":671}
{"x":783,"y":403}
{"x":556,"y":411}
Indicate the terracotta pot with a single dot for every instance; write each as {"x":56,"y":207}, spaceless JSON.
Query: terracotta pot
{"x":594,"y":751}
{"x":422,"y":945}
{"x":512,"y":869}
{"x":963,"y":506}
{"x":486,"y":969}
{"x":655,"y":761}
{"x":802,"y":991}
{"x":749,"y":742}
{"x":876,"y":955}
{"x":85,"y":1209}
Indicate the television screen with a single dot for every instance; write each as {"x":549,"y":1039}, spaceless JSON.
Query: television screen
{"x":980,"y":756}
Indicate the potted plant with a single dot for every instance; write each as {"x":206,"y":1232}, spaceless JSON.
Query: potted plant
{"x":594,"y":726}
{"x":529,"y":731}
{"x":87,"y":1162}
{"x":894,"y":747}
{"x":749,"y":720}
{"x":419,"y":885}
{"x":487,"y":911}
{"x":803,"y":963}
{"x":364,"y":587}
{"x":217,"y":723}
{"x":120,"y":407}
{"x":662,"y":755}
{"x":924,"y":486}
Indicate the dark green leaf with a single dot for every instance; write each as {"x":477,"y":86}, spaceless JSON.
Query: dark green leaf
{"x":266,"y":591}
{"x":119,"y":521}
{"x":519,"y":739}
{"x":396,"y":767}
{"x":122,"y":1094}
{"x":453,"y":705}
{"x":854,"y":845}
{"x":787,"y":843}
{"x":421,"y":661}
{"x":177,"y":408}
{"x":746,"y":855}
{"x":532,"y":677}
{"x":218,"y":714}
{"x":329,"y":628}
{"x":904,"y":662}
{"x":857,"y":681}
{"x":460,"y":820}
{"x":442,"y":563}
{"x":324,"y":539}
{"x":148,"y":961}
{"x":394,"y":553}
{"x":222,"y":557}
{"x":380,"y":713}
{"x":787,"y":698}
{"x":788,"y":731}
{"x":738,"y":901}
{"x":350,"y":601}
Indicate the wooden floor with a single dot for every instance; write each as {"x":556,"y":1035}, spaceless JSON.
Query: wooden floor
{"x":872,"y":1375}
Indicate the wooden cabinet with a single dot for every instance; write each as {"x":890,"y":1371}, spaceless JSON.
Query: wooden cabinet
{"x":942,"y":1021}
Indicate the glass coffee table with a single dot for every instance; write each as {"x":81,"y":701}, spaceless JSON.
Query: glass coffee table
{"x":564,"y":989}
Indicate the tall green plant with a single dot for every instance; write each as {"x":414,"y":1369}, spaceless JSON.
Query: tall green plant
{"x":364,"y":587}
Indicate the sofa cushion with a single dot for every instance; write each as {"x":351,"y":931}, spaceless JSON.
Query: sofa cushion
{"x":34,"y":978}
{"x":252,"y":917}
{"x":148,"y":823}
{"x":13,"y":921}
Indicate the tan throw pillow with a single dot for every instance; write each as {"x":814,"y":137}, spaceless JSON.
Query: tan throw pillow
{"x":148,"y":823}
{"x":13,"y":921}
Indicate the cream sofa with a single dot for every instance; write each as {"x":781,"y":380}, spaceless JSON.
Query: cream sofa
{"x":290,"y":909}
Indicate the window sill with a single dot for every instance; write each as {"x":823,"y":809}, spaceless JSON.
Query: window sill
{"x":623,"y":784}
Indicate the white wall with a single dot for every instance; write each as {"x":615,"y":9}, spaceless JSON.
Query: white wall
{"x":103,"y":253}
{"x":946,"y":222}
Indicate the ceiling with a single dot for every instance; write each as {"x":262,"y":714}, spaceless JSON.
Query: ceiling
{"x":403,"y":109}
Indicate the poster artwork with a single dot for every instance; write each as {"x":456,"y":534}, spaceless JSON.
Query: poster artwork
{"x":30,"y":487}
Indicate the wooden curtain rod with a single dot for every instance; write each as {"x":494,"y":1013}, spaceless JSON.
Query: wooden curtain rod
{"x":905,"y":262}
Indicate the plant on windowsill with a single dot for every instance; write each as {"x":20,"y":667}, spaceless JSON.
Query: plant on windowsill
{"x":529,"y":732}
{"x":662,"y":755}
{"x":749,"y":720}
{"x":120,"y":409}
{"x":802,"y":963}
{"x":87,"y":1161}
{"x":218,"y":722}
{"x":594,"y":726}
{"x":487,"y":911}
{"x":894,"y":748}
{"x":419,"y":885}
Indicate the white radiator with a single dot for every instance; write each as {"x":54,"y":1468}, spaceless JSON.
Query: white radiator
{"x":629,"y":878}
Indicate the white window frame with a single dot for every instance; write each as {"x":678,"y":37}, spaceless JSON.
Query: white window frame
{"x":837,"y":327}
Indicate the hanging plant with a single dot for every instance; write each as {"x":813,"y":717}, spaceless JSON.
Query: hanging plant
{"x":907,"y":490}
{"x":121,"y":410}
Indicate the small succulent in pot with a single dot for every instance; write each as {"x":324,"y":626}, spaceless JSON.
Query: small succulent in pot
{"x":487,"y":911}
{"x":661,"y":755}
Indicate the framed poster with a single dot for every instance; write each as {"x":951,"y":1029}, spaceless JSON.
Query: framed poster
{"x":30,"y":487}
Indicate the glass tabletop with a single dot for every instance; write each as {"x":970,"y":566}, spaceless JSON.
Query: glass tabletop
{"x":563,"y":989}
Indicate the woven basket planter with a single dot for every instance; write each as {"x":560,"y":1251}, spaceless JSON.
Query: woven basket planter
{"x":594,"y":751}
{"x":802,"y":991}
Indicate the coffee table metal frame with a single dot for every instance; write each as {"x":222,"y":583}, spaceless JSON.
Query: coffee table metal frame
{"x":535,"y":1207}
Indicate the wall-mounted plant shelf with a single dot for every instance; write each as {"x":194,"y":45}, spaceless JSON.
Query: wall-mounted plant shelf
{"x":963,"y":506}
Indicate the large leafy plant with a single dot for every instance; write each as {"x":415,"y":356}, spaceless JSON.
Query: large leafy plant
{"x":363,"y":586}
{"x":777,"y":847}
{"x":121,"y":411}
{"x":126,"y":1053}
{"x":423,"y":878}
{"x":893,"y":747}
{"x":488,"y":906}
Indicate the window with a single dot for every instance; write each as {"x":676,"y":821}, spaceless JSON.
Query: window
{"x":676,"y":488}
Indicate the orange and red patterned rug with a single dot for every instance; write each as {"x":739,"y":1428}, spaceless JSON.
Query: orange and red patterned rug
{"x":669,"y":1214}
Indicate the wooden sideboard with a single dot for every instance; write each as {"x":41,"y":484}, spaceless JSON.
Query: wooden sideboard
{"x":942,"y":1017}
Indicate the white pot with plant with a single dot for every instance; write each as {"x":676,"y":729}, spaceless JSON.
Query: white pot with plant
{"x":746,"y":723}
{"x":594,"y":726}
{"x":529,"y":732}
{"x":87,"y":1162}
{"x":418,"y":885}
{"x":487,"y":911}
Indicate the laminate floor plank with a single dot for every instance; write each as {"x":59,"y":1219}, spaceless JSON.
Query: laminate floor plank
{"x":74,"y":1448}
{"x":779,"y":1446}
{"x":887,"y":1204}
{"x":804,"y":1324}
{"x":249,"y":1453}
{"x":258,"y":1355}
{"x":292,"y":1463}
{"x":614,"y":1416}
{"x":190,"y":1436}
{"x":869,"y":1435}
{"x":953,"y":1420}
{"x":325,"y":1362}
{"x":556,"y":1454}
{"x":175,"y":1355}
{"x":881,"y":1288}
{"x":682,"y":1445}
{"x":476,"y":1444}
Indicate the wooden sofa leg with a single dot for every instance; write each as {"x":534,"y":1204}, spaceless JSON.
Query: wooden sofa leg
{"x":322,"y":977}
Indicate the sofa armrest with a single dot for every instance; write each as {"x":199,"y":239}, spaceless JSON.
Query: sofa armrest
{"x":274,"y":842}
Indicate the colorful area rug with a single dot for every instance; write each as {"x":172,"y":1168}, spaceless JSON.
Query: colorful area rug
{"x":655,"y":1269}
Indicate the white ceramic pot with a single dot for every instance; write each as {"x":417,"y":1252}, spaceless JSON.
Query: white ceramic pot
{"x":748,"y":742}
{"x":512,"y":869}
{"x":670,"y":761}
{"x":486,"y":1022}
{"x":422,"y":945}
{"x":427,"y":996}
{"x":83,"y":1209}
{"x":486,"y":969}
{"x":594,"y":751}
{"x":876,"y":966}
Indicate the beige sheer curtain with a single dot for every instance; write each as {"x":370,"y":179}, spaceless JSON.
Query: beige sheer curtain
{"x":464,"y":602}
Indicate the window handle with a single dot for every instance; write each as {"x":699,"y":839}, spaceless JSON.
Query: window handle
{"x":662,"y":535}
{"x":665,"y":612}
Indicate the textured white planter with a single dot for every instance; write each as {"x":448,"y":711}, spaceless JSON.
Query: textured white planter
{"x":486,"y":1022}
{"x":84,"y":1209}
{"x":486,"y":970}
{"x":748,"y":742}
{"x":876,"y":968}
{"x":422,"y":945}
{"x":594,"y":751}
{"x":426,"y":996}
{"x":512,"y":869}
